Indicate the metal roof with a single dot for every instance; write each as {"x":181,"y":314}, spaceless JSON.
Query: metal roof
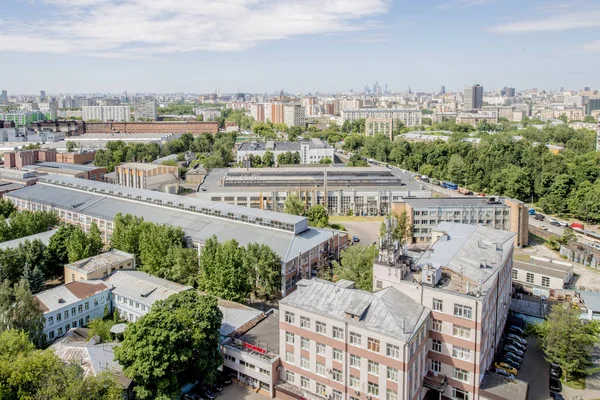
{"x":591,"y":300}
{"x":141,"y":287}
{"x":100,"y":261}
{"x":44,"y":237}
{"x":77,"y":167}
{"x":556,"y":269}
{"x":388,"y":311}
{"x":462,"y":201}
{"x":63,"y":296}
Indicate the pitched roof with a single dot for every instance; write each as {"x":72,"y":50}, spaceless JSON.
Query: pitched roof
{"x":388,"y":311}
{"x":100,"y":261}
{"x":64,"y":295}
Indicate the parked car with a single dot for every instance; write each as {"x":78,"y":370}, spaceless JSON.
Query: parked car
{"x":516,"y":344}
{"x":209,"y":394}
{"x":563,"y":224}
{"x":510,"y":361}
{"x":555,"y":385}
{"x":355,"y":239}
{"x":577,"y":225}
{"x":513,"y":349}
{"x":203,"y":188}
{"x":555,"y":371}
{"x":556,"y":396}
{"x":515,"y":330}
{"x":542,"y":227}
{"x":516,"y":338}
{"x":551,"y":220}
{"x":512,"y":355}
{"x":505,"y":373}
{"x":506,"y":367}
{"x":224,"y":379}
{"x":539,"y":217}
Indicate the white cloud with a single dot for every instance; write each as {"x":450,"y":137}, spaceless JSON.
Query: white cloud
{"x":561,"y":22}
{"x":137,"y":28}
{"x":461,"y":3}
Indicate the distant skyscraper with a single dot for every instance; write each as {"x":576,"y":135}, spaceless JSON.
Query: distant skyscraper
{"x":508,"y":92}
{"x":443,"y":90}
{"x":473,"y":97}
{"x":42,"y":95}
{"x":586,"y":89}
{"x":386,"y":88}
{"x":4,"y":97}
{"x":409,"y":90}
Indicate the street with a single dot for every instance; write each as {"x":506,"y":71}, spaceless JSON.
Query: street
{"x":367,"y":232}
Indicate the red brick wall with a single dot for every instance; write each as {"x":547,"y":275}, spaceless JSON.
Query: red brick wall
{"x":195,"y":128}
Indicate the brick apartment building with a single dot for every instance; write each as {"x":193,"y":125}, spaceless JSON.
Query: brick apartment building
{"x":76,"y":158}
{"x":19,"y":159}
{"x":195,"y":128}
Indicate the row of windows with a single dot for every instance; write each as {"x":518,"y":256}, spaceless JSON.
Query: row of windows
{"x":457,"y":330}
{"x":124,"y":300}
{"x":530,"y":278}
{"x":459,"y":309}
{"x":63,"y":330}
{"x":457,"y":351}
{"x":75,"y":310}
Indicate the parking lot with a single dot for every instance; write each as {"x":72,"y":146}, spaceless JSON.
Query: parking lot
{"x":534,"y":371}
{"x":236,"y":391}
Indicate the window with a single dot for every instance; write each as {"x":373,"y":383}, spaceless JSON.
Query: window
{"x":336,"y":375}
{"x":515,"y":274}
{"x":354,"y":361}
{"x":229,"y":358}
{"x":321,"y":389}
{"x":436,"y":346}
{"x":321,"y":327}
{"x":436,"y":325}
{"x":80,"y":308}
{"x":87,"y":319}
{"x":289,"y":317}
{"x":545,"y":281}
{"x":392,"y":351}
{"x":438,"y":305}
{"x":289,"y":376}
{"x":305,"y":322}
{"x":460,"y":352}
{"x":264,"y":371}
{"x":354,"y":382}
{"x":338,"y":333}
{"x":305,"y":362}
{"x":289,"y":337}
{"x":391,"y":395}
{"x":96,"y":302}
{"x":461,"y":331}
{"x":60,"y":330}
{"x":304,"y":343}
{"x":460,"y":374}
{"x":321,"y":369}
{"x":529,"y":277}
{"x":337,"y":395}
{"x":321,"y":349}
{"x":436,"y":366}
{"x":87,"y":305}
{"x":73,"y":311}
{"x":289,"y":357}
{"x":304,"y":382}
{"x":338,"y":355}
{"x":354,"y":339}
{"x":373,"y":389}
{"x":458,"y":394}
{"x":373,"y":367}
{"x":66,"y":314}
{"x":58,"y":317}
{"x":462,"y":311}
{"x":373,"y":345}
{"x":50,"y":320}
{"x":392,"y":374}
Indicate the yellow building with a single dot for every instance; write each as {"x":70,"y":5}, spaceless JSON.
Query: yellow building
{"x":98,"y":267}
{"x":146,"y":176}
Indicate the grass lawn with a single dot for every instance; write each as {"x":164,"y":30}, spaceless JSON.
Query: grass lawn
{"x":343,"y":218}
{"x":522,"y":257}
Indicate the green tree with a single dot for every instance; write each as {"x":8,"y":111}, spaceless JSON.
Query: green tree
{"x":176,"y":343}
{"x":293,"y":205}
{"x":57,"y":250}
{"x":71,"y":146}
{"x":317,"y":216}
{"x":325,"y":160}
{"x":268,"y":159}
{"x":456,"y":169}
{"x":34,"y":277}
{"x":20,"y":310}
{"x":264,"y":268}
{"x":564,"y":118}
{"x":567,"y":340}
{"x":356,"y":265}
{"x":6,"y":208}
{"x":100,"y":327}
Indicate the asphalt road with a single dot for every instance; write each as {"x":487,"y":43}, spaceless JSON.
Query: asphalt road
{"x":367,"y":232}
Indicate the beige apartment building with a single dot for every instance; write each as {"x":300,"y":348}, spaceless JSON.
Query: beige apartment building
{"x":465,"y":279}
{"x":374,"y":126}
{"x":146,"y":176}
{"x":99,"y":267}
{"x":495,"y":212}
{"x":337,"y":342}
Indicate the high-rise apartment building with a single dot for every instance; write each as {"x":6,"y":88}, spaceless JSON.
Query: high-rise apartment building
{"x":106,"y":113}
{"x":22,"y":118}
{"x":293,"y":115}
{"x":465,"y":279}
{"x":408,"y":117}
{"x":145,"y":110}
{"x":274,"y":112}
{"x":4,"y":97}
{"x":42,"y":95}
{"x":257,"y":111}
{"x":310,"y":105}
{"x":473,"y":97}
{"x":592,"y":105}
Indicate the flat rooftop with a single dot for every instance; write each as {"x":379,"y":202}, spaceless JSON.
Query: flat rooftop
{"x":471,"y":254}
{"x":101,"y":261}
{"x":462,"y":201}
{"x":57,"y":165}
{"x":553,"y":268}
{"x":44,"y":237}
{"x":137,"y":165}
{"x":265,"y":334}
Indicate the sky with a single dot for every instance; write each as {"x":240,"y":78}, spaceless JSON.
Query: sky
{"x":300,"y":46}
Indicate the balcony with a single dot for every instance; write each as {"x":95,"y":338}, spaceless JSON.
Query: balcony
{"x":436,"y":382}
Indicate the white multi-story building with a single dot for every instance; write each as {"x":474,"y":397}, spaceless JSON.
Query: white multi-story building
{"x":310,"y":151}
{"x":106,"y":113}
{"x":134,"y":292}
{"x":72,"y":305}
{"x":408,"y":117}
{"x":257,"y":111}
{"x":465,"y":279}
{"x":208,"y":114}
{"x":145,"y":110}
{"x":293,"y":115}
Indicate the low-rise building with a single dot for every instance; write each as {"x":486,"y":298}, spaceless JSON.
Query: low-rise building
{"x":99,"y":267}
{"x":147,"y":175}
{"x":22,"y":158}
{"x":90,"y":172}
{"x":164,"y":127}
{"x":424,"y":214}
{"x":309,"y":151}
{"x":475,"y":117}
{"x":72,"y":305}
{"x":135,"y":292}
{"x":541,"y":276}
{"x":83,"y":157}
{"x":336,"y":341}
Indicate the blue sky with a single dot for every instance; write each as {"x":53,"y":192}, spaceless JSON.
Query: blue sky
{"x":298,"y":45}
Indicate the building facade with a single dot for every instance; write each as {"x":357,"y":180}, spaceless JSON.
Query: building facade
{"x":22,"y":158}
{"x":195,"y":128}
{"x":465,"y":279}
{"x":474,"y":118}
{"x":145,"y":110}
{"x":146,"y":176}
{"x":383,"y":126}
{"x":340,"y":343}
{"x":99,"y":267}
{"x":408,"y":117}
{"x":310,"y":151}
{"x":473,"y":97}
{"x":541,"y":276}
{"x":293,"y":115}
{"x":106,"y":113}
{"x":72,"y":305}
{"x":257,"y":111}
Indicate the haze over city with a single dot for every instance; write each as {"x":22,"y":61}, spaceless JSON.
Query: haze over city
{"x":302,"y":46}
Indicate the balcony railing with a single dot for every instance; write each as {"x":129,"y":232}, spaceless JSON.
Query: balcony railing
{"x":436,"y":382}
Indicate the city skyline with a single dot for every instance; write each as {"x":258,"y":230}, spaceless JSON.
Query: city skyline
{"x":302,"y":46}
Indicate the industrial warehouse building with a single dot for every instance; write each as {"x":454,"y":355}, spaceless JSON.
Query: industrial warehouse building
{"x":302,"y":249}
{"x":358,"y":191}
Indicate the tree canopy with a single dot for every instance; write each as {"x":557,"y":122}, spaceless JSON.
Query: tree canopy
{"x":356,"y":265}
{"x":176,"y":343}
{"x":20,"y":311}
{"x":317,"y":216}
{"x":293,"y":205}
